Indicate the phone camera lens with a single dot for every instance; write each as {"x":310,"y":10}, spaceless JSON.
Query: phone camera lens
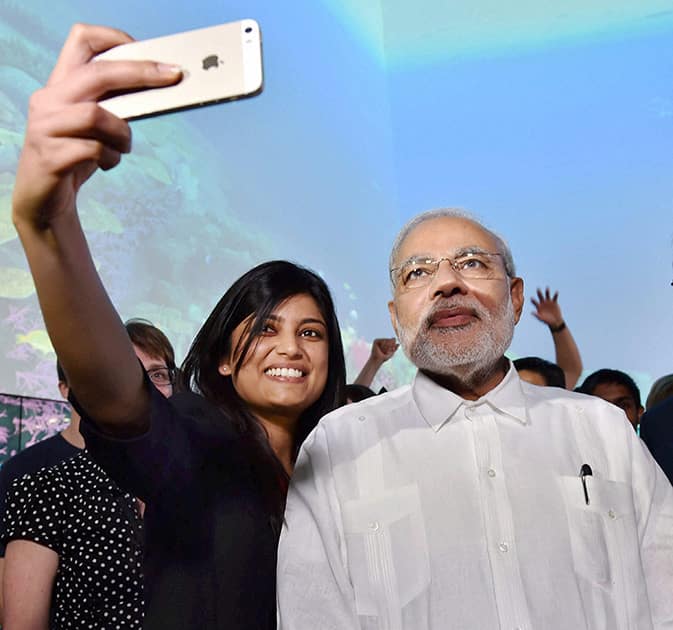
{"x":248,"y":29}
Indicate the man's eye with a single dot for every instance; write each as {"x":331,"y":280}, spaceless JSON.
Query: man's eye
{"x":471,"y":262}
{"x":416,"y":272}
{"x":160,"y":375}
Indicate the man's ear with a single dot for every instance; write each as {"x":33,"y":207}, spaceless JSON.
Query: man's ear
{"x":393,"y":316}
{"x":516,"y":291}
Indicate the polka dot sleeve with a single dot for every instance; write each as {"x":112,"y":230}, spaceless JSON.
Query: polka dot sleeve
{"x":34,"y":511}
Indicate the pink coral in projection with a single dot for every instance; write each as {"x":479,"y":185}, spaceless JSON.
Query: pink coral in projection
{"x":359,"y":353}
{"x":26,"y":421}
{"x":42,"y":419}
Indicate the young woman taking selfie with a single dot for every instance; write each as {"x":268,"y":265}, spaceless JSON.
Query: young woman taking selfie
{"x":212,"y":464}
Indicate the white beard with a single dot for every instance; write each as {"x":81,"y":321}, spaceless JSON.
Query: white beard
{"x":456,"y":358}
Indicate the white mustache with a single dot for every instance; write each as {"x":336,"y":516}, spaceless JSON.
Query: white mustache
{"x":446,"y":305}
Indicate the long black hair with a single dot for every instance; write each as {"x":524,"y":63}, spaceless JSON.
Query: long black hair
{"x":257,"y":293}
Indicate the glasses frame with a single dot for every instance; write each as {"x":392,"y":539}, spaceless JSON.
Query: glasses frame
{"x":171,"y":376}
{"x":428,"y":260}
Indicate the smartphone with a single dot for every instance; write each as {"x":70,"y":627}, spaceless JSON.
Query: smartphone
{"x":219,"y":63}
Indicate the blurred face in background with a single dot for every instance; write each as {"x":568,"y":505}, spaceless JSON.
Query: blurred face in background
{"x":157,"y":370}
{"x":621,"y":396}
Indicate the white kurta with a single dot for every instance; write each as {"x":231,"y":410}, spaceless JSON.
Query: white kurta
{"x":418,"y":510}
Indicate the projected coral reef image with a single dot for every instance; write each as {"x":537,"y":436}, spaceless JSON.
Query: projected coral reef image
{"x":554,"y":125}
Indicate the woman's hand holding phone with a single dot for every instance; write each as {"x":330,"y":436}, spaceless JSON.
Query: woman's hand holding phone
{"x":68,"y":135}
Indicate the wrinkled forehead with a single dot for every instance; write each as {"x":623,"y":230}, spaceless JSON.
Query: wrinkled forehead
{"x":445,"y":235}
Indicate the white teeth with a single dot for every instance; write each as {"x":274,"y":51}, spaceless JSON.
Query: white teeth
{"x":288,"y":372}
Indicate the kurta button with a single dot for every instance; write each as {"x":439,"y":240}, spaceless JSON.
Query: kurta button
{"x":504,"y":547}
{"x":612,"y":514}
{"x":361,"y":418}
{"x":374,"y":525}
{"x":491,"y":472}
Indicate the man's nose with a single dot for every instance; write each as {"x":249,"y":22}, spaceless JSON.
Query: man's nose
{"x":447,"y":281}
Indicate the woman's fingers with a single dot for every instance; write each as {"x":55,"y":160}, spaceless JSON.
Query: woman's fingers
{"x":95,"y":79}
{"x":76,"y":77}
{"x":80,"y":120}
{"x":84,"y":42}
{"x":76,"y":152}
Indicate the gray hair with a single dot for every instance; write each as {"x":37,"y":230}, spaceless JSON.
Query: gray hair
{"x":452,"y":213}
{"x":661,"y":390}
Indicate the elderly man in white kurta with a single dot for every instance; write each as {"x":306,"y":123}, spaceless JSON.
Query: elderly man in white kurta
{"x":471,"y":500}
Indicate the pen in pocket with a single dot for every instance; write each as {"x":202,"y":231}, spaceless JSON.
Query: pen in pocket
{"x":585,"y":471}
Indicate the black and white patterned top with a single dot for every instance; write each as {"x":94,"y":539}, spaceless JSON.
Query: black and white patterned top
{"x":95,"y":528}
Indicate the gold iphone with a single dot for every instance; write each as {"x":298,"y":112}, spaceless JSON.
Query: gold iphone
{"x":219,"y":63}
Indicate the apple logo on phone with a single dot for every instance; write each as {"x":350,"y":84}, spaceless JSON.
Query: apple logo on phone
{"x":211,"y":61}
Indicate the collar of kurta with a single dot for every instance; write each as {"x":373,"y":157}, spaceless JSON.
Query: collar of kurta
{"x":438,"y":405}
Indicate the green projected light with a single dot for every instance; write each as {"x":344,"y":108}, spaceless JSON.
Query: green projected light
{"x":418,"y":32}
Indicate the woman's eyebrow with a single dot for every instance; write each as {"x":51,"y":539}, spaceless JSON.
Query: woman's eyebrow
{"x":313,"y":320}
{"x":306,"y":320}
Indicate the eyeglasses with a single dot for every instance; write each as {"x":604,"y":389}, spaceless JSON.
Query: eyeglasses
{"x":162,"y":376}
{"x":420,"y":271}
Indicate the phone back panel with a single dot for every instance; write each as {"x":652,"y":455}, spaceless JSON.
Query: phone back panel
{"x":219,"y":63}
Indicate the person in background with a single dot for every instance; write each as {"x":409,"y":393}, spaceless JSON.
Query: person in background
{"x":617,"y":388}
{"x":540,"y":372}
{"x":382,"y":350}
{"x":656,"y":430}
{"x":58,"y":448}
{"x":471,"y":499}
{"x":156,"y":354}
{"x":74,"y":539}
{"x":660,"y":391}
{"x":568,"y":358}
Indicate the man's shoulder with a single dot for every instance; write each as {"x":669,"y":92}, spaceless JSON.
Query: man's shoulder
{"x":591,"y":418}
{"x":349,"y":426}
{"x":373,"y":407}
{"x":45,"y":453}
{"x":536,"y":394}
{"x":662,"y":412}
{"x":656,"y":426}
{"x":67,"y":470}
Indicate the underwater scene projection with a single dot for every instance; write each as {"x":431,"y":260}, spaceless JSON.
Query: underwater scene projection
{"x":553,"y":124}
{"x":25,"y":421}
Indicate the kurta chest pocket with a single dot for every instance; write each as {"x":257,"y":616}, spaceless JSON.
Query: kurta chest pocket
{"x":387,"y":550}
{"x":598,"y":527}
{"x":602,"y":533}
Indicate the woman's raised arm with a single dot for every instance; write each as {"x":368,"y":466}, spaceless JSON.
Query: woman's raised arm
{"x":69,"y":136}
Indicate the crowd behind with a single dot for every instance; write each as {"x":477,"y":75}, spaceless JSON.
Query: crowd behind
{"x":242,"y":491}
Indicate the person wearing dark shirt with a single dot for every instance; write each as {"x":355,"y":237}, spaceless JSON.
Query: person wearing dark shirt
{"x":58,"y":448}
{"x":74,"y":538}
{"x":213,"y":467}
{"x":656,"y":430}
{"x":74,"y":551}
